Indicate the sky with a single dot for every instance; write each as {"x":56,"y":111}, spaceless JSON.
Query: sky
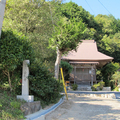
{"x":104,"y":7}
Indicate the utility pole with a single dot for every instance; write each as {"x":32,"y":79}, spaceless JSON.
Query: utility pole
{"x":2,"y":10}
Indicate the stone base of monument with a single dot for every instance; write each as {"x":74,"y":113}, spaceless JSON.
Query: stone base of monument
{"x":27,"y":98}
{"x":31,"y":107}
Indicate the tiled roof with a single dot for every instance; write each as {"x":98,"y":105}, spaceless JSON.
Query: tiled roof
{"x":86,"y":51}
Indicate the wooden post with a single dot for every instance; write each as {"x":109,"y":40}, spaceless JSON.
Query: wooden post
{"x":74,"y":73}
{"x":95,"y":72}
{"x":92,"y":76}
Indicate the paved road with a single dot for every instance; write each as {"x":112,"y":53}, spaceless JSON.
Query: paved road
{"x":86,"y":108}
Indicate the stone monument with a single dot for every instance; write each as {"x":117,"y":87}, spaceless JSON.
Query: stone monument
{"x":25,"y":83}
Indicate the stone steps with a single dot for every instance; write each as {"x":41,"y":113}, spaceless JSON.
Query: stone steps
{"x":81,"y":88}
{"x":84,"y":88}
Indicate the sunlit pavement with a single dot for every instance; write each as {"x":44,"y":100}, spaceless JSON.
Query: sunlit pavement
{"x":87,"y":108}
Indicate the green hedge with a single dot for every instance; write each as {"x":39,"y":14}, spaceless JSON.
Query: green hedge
{"x":43,"y":85}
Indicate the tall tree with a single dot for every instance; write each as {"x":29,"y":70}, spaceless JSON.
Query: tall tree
{"x":14,"y":48}
{"x":33,"y":19}
{"x":108,"y":23}
{"x":72,"y":10}
{"x":66,"y":37}
{"x":110,"y":45}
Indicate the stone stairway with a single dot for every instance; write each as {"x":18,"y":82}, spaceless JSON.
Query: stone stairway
{"x":84,"y":88}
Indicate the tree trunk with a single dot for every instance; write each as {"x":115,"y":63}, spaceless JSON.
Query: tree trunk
{"x":9,"y":81}
{"x":58,"y":60}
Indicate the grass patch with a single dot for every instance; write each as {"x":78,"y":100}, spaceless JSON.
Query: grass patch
{"x":10,"y":106}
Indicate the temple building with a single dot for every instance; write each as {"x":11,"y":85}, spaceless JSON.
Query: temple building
{"x":85,"y":61}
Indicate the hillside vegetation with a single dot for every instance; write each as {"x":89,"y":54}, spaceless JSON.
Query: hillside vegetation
{"x":10,"y":106}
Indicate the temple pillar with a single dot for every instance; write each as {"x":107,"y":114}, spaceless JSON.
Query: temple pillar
{"x":74,"y":73}
{"x":92,"y":75}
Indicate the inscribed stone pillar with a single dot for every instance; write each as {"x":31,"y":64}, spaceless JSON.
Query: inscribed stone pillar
{"x":25,"y":83}
{"x":2,"y":9}
{"x":25,"y":74}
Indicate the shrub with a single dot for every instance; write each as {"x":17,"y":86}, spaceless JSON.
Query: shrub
{"x":74,"y":86}
{"x":98,"y":86}
{"x":94,"y":87}
{"x":101,"y":85}
{"x":42,"y":84}
{"x":107,"y":72}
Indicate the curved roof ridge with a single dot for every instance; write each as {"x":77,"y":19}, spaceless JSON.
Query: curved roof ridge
{"x":86,"y":50}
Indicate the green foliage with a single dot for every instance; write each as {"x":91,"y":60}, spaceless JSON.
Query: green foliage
{"x":98,"y":86}
{"x":107,"y":72}
{"x":15,"y":104}
{"x":42,"y":84}
{"x":108,"y":23}
{"x":71,"y":10}
{"x":67,"y":35}
{"x":14,"y":49}
{"x":101,"y":85}
{"x":9,"y":106}
{"x":94,"y":87}
{"x":115,"y":80}
{"x":33,"y":19}
{"x":110,"y":45}
{"x":74,"y":86}
{"x":99,"y":74}
{"x":67,"y":69}
{"x":116,"y":89}
{"x":116,"y":76}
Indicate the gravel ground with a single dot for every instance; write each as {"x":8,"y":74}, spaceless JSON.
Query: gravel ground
{"x":86,"y":108}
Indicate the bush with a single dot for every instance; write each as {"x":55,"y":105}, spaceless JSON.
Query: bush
{"x":98,"y":86}
{"x":74,"y":86}
{"x":108,"y":70}
{"x":94,"y":87}
{"x":42,"y":84}
{"x":101,"y":85}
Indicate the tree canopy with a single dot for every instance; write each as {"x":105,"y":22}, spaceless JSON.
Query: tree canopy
{"x":14,"y":49}
{"x":51,"y":24}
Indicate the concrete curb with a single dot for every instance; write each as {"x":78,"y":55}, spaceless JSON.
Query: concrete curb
{"x":40,"y":115}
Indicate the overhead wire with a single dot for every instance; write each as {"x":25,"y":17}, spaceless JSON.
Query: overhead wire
{"x":104,"y":6}
{"x":89,"y":6}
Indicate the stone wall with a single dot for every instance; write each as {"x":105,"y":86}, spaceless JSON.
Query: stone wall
{"x":31,"y":107}
{"x":106,"y":89}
